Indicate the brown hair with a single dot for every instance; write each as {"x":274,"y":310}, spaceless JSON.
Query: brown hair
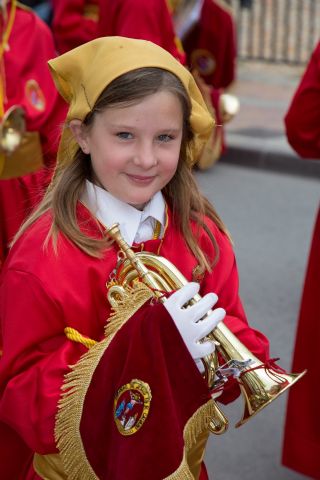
{"x":181,"y":193}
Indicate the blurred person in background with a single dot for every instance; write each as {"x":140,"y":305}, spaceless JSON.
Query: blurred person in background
{"x":301,"y":445}
{"x":145,"y":19}
{"x":74,"y":22}
{"x":31,"y":112}
{"x":208,"y":36}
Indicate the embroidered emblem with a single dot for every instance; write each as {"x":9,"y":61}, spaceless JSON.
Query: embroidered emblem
{"x":197,"y":274}
{"x":131,"y":406}
{"x":35,"y":95}
{"x":203,"y":61}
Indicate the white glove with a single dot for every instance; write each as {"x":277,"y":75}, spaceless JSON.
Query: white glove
{"x":187,"y":319}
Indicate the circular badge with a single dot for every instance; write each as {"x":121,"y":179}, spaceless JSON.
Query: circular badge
{"x":35,"y":95}
{"x":203,"y":61}
{"x":131,"y":406}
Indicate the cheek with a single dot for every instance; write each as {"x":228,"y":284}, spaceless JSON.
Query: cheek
{"x":172,"y":160}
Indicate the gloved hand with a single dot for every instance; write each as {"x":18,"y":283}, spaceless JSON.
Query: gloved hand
{"x":187,"y":319}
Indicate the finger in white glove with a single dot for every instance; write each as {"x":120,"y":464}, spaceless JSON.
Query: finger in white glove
{"x":188,"y":320}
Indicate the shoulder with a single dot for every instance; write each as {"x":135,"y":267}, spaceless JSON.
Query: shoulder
{"x":211,"y":229}
{"x":29,"y":247}
{"x":34,"y":251}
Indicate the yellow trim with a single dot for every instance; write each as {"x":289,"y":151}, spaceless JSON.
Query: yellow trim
{"x":165,"y":229}
{"x":6,"y":34}
{"x":156,"y":230}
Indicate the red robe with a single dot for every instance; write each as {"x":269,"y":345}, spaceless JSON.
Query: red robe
{"x":145,"y":19}
{"x":211,"y":45}
{"x":74,"y":22}
{"x":68,"y":289}
{"x":301,"y":445}
{"x":31,"y":46}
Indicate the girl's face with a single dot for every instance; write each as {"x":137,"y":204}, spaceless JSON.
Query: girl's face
{"x":135,"y":149}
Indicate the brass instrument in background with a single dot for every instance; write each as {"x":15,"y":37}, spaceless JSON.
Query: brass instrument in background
{"x":229,"y":106}
{"x":260,"y":383}
{"x":20,"y":150}
{"x":12,"y":129}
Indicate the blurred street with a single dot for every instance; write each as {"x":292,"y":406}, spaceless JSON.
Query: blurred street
{"x":268,"y":198}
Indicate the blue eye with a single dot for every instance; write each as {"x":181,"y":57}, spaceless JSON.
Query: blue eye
{"x":165,"y":138}
{"x":125,"y":135}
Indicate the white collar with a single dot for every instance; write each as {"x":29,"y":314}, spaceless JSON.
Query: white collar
{"x":109,"y":210}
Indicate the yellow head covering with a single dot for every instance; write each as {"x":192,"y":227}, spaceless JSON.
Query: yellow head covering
{"x":83,"y":73}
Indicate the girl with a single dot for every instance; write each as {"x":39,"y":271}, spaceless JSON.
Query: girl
{"x":132,"y":401}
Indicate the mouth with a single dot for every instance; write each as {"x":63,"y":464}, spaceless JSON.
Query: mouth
{"x":142,"y":179}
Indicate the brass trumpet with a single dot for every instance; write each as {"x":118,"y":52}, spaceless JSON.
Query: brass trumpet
{"x":260,"y":383}
{"x":12,"y":129}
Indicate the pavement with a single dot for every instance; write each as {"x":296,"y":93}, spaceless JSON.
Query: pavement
{"x":256,"y":136}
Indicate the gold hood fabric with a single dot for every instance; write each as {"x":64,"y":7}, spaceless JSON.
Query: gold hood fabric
{"x":83,"y":73}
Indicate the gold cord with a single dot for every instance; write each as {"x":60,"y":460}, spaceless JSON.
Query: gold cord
{"x":75,"y":336}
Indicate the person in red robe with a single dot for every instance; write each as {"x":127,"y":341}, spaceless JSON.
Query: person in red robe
{"x":97,"y":381}
{"x":26,"y":83}
{"x":210,"y":43}
{"x":301,"y":443}
{"x":145,"y":19}
{"x":209,"y":39}
{"x":74,"y":22}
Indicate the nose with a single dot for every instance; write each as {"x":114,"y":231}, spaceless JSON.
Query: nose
{"x":145,"y":155}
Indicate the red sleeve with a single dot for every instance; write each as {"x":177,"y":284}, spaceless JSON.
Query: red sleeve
{"x":302,"y":120}
{"x":145,"y":19}
{"x":70,"y":26}
{"x":36,"y":355}
{"x":224,"y":281}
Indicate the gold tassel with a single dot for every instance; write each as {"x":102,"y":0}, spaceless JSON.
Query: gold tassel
{"x":195,"y":426}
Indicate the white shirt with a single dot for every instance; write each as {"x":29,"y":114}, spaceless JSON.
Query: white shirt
{"x":135,"y":225}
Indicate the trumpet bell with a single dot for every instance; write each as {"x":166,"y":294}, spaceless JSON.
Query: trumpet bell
{"x":261,"y":385}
